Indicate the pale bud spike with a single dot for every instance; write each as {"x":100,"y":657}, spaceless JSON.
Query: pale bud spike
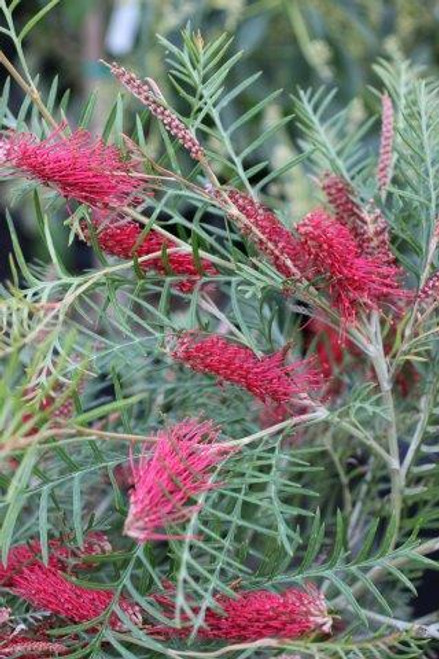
{"x":386,"y":143}
{"x":150,"y":95}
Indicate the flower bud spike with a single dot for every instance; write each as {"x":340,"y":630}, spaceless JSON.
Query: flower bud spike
{"x":148,"y":93}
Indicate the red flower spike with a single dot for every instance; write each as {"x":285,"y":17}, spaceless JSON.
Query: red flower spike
{"x":178,"y":469}
{"x":369,"y":227}
{"x":148,"y":93}
{"x":78,"y":166}
{"x":122,"y":240}
{"x":353,"y":280}
{"x":386,"y":142}
{"x":266,"y":378}
{"x":255,"y":615}
{"x":375,"y":242}
{"x":269,"y":235}
{"x":47,"y":588}
{"x":23,"y":556}
{"x":342,"y":199}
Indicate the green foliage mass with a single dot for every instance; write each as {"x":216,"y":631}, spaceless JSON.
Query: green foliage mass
{"x":347,"y":499}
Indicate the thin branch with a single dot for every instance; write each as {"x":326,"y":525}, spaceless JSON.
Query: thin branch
{"x":413,"y":321}
{"x":316,"y":416}
{"x":379,"y":362}
{"x":181,"y":243}
{"x":17,"y":443}
{"x":344,"y":480}
{"x":262,"y":643}
{"x":424,"y":411}
{"x":420,"y":631}
{"x":59,"y":311}
{"x":355,"y":530}
{"x":209,"y":305}
{"x":365,"y":439}
{"x":381,"y":571}
{"x":29,"y":89}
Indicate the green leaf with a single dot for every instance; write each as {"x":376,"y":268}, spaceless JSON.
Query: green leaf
{"x":16,"y":498}
{"x":77,"y":509}
{"x":108,"y":408}
{"x":43,"y":524}
{"x":36,"y":19}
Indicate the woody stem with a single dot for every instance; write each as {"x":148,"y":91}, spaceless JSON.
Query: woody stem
{"x":28,"y":89}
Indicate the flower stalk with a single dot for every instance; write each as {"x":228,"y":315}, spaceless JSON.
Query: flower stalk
{"x":380,"y":365}
{"x":30,"y":90}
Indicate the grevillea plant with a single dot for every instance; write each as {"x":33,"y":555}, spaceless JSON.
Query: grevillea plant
{"x":220,"y":440}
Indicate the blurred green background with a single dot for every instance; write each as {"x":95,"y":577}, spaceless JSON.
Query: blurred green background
{"x":292,"y":42}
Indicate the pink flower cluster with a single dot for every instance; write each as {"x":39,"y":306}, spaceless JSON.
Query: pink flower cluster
{"x":368,"y":226}
{"x":330,"y":347}
{"x":334,"y":256}
{"x":89,"y":171}
{"x":47,"y":587}
{"x":269,"y":235}
{"x":78,"y":166}
{"x":267,"y":378}
{"x":344,"y":205}
{"x":122,"y":238}
{"x":255,"y":615}
{"x":347,"y":256}
{"x":178,"y":469}
{"x":61,"y":555}
{"x":166,"y":480}
{"x":249,"y":616}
